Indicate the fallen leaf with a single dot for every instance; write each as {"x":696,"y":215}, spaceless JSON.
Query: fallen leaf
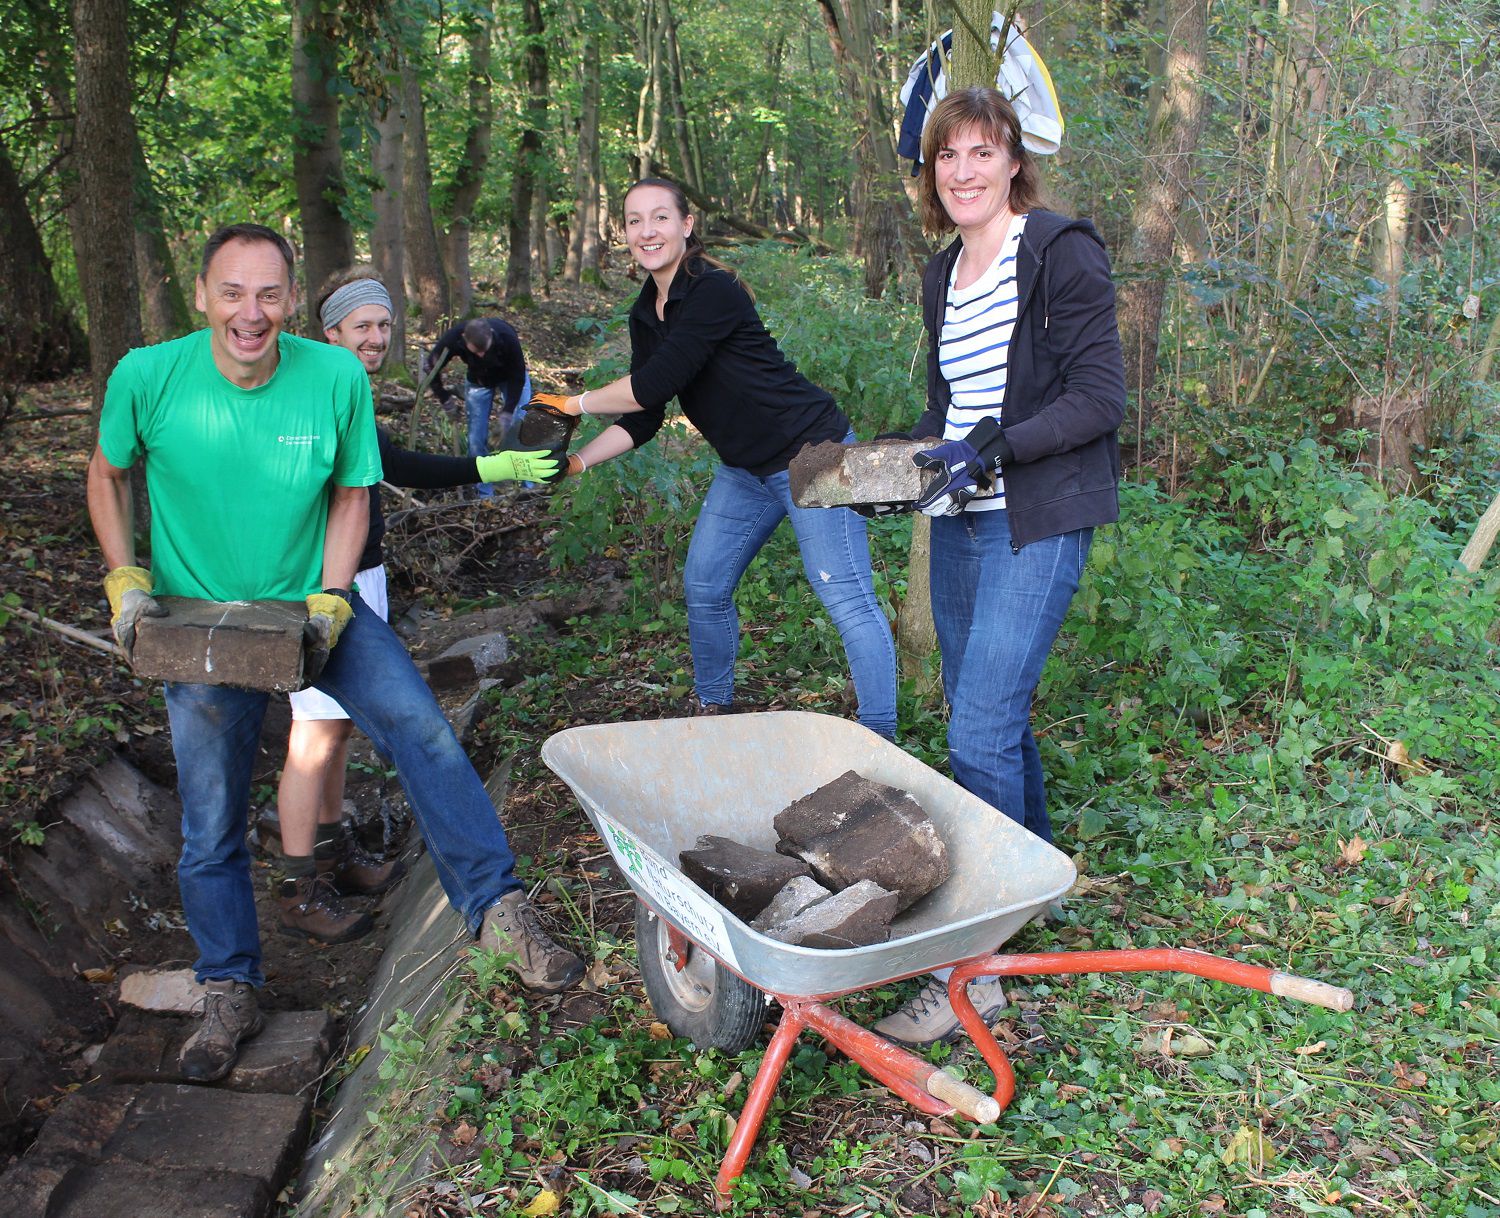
{"x":464,"y":1133}
{"x":545,"y":1202}
{"x":1352,"y":852}
{"x":1309,"y":1050}
{"x":99,"y":976}
{"x":659,"y":1031}
{"x":1249,"y":1146}
{"x":1152,"y":1200}
{"x":1212,"y":1204}
{"x":1407,"y":1078}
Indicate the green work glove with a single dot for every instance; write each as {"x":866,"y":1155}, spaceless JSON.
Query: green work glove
{"x":537,"y":466}
{"x":328,"y":612}
{"x":130,"y":599}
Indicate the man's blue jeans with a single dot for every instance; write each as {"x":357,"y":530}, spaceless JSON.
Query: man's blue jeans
{"x":739,"y":514}
{"x":479,"y":403}
{"x":215,"y":734}
{"x":997,"y":614}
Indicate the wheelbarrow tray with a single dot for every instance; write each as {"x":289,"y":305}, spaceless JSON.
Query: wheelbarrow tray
{"x":651,"y":788}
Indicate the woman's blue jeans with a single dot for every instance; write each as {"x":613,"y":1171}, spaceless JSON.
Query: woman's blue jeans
{"x":215,"y":735}
{"x":997,"y":614}
{"x":479,"y":404}
{"x":739,"y":514}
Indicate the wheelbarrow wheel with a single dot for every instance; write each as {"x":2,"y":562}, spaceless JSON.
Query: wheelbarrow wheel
{"x":701,"y":1001}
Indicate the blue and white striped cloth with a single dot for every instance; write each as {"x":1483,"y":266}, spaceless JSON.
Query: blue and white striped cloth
{"x":974,"y":347}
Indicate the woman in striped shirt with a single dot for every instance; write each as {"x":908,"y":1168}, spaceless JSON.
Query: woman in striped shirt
{"x":1025,"y":391}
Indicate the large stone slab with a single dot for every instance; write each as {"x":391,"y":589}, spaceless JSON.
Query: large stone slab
{"x":859,"y":475}
{"x":741,"y":878}
{"x":854,"y":829}
{"x":859,"y":915}
{"x":125,"y":1190}
{"x":798,"y":894}
{"x":287,"y":1056}
{"x":208,"y":1129}
{"x":468,"y":661}
{"x":248,"y":644}
{"x":171,"y":991}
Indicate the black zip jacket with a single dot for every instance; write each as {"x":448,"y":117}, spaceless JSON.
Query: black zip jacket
{"x":713,"y":353}
{"x":1065,"y":390}
{"x":501,"y":367}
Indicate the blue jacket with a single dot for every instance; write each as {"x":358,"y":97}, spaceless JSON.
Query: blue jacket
{"x":1065,"y":390}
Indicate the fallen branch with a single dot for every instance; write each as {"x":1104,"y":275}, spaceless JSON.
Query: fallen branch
{"x":1484,"y":537}
{"x":71,"y":633}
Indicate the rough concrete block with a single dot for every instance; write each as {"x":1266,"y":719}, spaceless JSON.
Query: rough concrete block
{"x":125,"y":1190}
{"x":741,"y":878}
{"x":843,"y":475}
{"x":208,"y":1129}
{"x":248,"y":644}
{"x":859,"y":915}
{"x":173,"y":990}
{"x":854,"y":829}
{"x":797,"y":894}
{"x":83,"y":1123}
{"x":27,"y":1188}
{"x":468,"y":661}
{"x":287,"y":1056}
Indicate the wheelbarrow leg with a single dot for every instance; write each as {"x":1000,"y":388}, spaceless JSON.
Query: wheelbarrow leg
{"x":762,"y":1088}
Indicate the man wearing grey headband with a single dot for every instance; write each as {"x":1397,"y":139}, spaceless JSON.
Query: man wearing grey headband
{"x":324,"y":861}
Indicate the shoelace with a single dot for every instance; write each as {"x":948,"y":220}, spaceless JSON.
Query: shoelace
{"x":212,"y":1005}
{"x":932,"y":995}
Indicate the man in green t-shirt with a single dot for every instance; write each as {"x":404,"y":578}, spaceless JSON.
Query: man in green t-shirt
{"x":260,"y":448}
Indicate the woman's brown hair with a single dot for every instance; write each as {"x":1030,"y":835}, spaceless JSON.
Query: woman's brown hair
{"x":986,"y":109}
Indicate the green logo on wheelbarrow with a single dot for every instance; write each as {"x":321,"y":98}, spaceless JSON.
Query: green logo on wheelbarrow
{"x":628,"y":848}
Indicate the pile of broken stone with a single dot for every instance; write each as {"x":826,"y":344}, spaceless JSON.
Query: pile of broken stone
{"x":849,"y":857}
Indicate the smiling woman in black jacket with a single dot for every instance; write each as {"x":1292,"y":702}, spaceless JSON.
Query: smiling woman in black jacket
{"x":1025,"y":390}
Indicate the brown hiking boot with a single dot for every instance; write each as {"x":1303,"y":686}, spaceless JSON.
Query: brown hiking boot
{"x":353,"y":871}
{"x":513,"y":927}
{"x":230,"y":1015}
{"x":310,"y":906}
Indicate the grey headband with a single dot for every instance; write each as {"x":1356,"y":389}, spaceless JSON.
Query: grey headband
{"x":349,"y":297}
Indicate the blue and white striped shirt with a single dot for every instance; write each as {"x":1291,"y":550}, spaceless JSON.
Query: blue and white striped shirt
{"x":974,"y":347}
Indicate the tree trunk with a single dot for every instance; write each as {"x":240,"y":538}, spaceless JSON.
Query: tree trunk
{"x":884,"y":221}
{"x":166,"y":308}
{"x":317,"y":155}
{"x":528,"y":156}
{"x":1172,"y":146}
{"x":468,"y":174}
{"x":687,"y":160}
{"x":105,"y":135}
{"x":426,"y":279}
{"x":583,"y":240}
{"x":387,"y":236}
{"x":38,"y":337}
{"x":648,"y":103}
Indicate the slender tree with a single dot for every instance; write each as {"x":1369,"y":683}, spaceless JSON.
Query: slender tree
{"x":473,"y":162}
{"x":104,"y":138}
{"x":426,"y":279}
{"x":387,"y":201}
{"x":525,"y":177}
{"x":317,"y":154}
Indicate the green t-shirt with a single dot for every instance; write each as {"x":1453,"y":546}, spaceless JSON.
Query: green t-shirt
{"x":239,"y":478}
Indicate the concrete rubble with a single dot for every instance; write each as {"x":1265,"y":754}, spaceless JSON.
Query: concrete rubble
{"x":858,"y":475}
{"x":854,"y":829}
{"x":855,"y":917}
{"x":741,"y":878}
{"x":248,"y":644}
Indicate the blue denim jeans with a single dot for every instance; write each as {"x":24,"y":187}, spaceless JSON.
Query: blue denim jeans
{"x":215,"y":734}
{"x":739,"y":514}
{"x":997,"y":614}
{"x":479,"y":403}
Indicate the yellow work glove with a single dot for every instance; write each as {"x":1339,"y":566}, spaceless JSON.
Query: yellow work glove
{"x":130,"y":599}
{"x":538,"y":466}
{"x":328,"y":612}
{"x":555,"y":401}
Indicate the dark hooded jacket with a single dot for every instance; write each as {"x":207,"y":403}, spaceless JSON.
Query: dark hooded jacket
{"x":1065,"y":389}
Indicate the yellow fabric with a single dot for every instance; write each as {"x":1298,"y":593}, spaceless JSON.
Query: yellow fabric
{"x":121,"y":580}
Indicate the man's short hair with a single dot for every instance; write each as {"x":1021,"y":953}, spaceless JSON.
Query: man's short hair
{"x":249,"y":232}
{"x":477,"y":333}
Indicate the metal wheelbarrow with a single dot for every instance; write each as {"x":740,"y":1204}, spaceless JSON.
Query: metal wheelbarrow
{"x":651,"y":788}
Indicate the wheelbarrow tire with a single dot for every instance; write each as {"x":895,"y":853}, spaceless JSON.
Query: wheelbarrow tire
{"x":702,"y":1001}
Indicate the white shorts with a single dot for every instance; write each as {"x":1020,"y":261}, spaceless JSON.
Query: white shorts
{"x":314,"y":703}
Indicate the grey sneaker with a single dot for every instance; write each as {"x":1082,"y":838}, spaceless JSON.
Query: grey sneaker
{"x":929,"y":1017}
{"x":512,"y":926}
{"x":230,"y":1015}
